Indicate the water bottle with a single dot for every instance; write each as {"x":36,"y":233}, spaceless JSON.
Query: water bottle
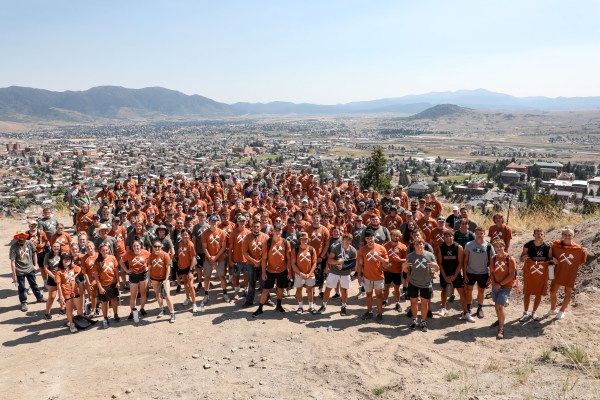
{"x":201,"y":306}
{"x":448,"y":290}
{"x":105,"y":323}
{"x":136,"y":316}
{"x":550,"y":271}
{"x":24,"y":220}
{"x":329,"y":329}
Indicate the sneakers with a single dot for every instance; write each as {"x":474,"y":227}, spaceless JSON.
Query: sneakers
{"x":300,"y":310}
{"x":336,"y":296}
{"x":270,"y":303}
{"x":367,"y":315}
{"x":178,"y":288}
{"x":130,"y":318}
{"x":285,"y":293}
{"x":535,"y":316}
{"x":467,"y":317}
{"x":73,"y":328}
{"x":551,"y":313}
{"x":48,"y":316}
{"x":41,"y":299}
{"x":172,"y":319}
{"x":385,"y":303}
{"x":257,"y":312}
{"x":424,"y":326}
{"x":226,"y":298}
{"x":408,"y":312}
{"x":379,"y":318}
{"x":480,"y":313}
{"x":398,"y":307}
{"x":526,"y":317}
{"x":143,"y":312}
{"x":312,"y":311}
{"x":506,"y":304}
{"x":560,"y":315}
{"x":362,"y":289}
{"x":500,"y":334}
{"x":205,"y":300}
{"x":117,"y":318}
{"x":29,"y":291}
{"x":413,"y":324}
{"x":236,"y":297}
{"x":321,"y":294}
{"x":246,"y":304}
{"x":105,"y":323}
{"x":429,"y":314}
{"x":194,"y":308}
{"x":343,"y":311}
{"x":280,"y":309}
{"x":198,"y":288}
{"x":495,"y":324}
{"x":321,"y":310}
{"x":443,"y":312}
{"x":187,"y":301}
{"x":451,"y":298}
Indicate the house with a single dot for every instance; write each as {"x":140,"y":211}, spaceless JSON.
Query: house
{"x":519,"y":167}
{"x":417,"y":189}
{"x":477,"y":182}
{"x":510,"y":177}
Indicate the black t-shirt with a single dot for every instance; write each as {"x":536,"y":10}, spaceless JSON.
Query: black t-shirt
{"x":451,"y":220}
{"x":537,"y":253}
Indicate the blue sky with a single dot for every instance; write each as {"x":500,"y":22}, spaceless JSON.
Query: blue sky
{"x":323,"y":52}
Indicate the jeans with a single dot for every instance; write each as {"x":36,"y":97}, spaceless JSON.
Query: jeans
{"x":32,"y":284}
{"x":253,"y":274}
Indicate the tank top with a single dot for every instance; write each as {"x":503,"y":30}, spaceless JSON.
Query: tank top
{"x":449,"y":257}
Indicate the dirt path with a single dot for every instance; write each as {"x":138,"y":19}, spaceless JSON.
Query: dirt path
{"x":288,"y":356}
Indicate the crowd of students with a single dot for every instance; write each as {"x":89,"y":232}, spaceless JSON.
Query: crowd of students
{"x":286,"y":232}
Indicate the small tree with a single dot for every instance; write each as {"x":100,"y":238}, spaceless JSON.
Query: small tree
{"x":374,"y":172}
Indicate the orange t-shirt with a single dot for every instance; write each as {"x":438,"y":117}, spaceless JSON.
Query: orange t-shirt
{"x":39,"y":240}
{"x":159,"y":266}
{"x":214,"y":241}
{"x":227,"y":228}
{"x":437,"y":238}
{"x":427,"y":226}
{"x":504,"y":233}
{"x":186,"y":254}
{"x":64,"y":240}
{"x":392,"y":222}
{"x":304,"y":260}
{"x":399,"y":250}
{"x":137,"y":263}
{"x":372,"y":269}
{"x":236,"y":242}
{"x":88,"y":264}
{"x":65,"y":278}
{"x":108,"y":272}
{"x":277,"y":256}
{"x":501,"y":270}
{"x":535,"y":278}
{"x":436,"y":208}
{"x":569,"y":259}
{"x":120,"y":235}
{"x":84,"y":221}
{"x":319,"y":238}
{"x":256,"y":246}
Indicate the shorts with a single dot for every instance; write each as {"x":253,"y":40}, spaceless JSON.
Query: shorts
{"x":111,"y":292}
{"x":134,"y":279}
{"x":373,"y":285}
{"x":480,"y":279}
{"x":500,"y":296}
{"x":299,"y":282}
{"x":320,"y":273}
{"x":457,"y":283}
{"x":208,"y":267}
{"x":51,"y":281}
{"x":392,"y":277}
{"x":182,"y":272}
{"x":80,"y":279}
{"x":415,"y":292}
{"x":332,"y":281}
{"x":199,"y":258}
{"x":279,"y":278}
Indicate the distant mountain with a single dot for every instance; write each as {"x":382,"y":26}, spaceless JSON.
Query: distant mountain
{"x":280,"y":107}
{"x":439,"y":111}
{"x":108,"y":102}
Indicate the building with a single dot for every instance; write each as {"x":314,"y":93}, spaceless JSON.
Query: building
{"x":548,"y":173}
{"x":543,"y":164}
{"x":462,"y":189}
{"x":519,"y":167}
{"x":477,"y":182}
{"x":510,"y":177}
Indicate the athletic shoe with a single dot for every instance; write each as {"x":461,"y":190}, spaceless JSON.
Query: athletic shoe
{"x":507,"y":304}
{"x":226,"y":298}
{"x":467,"y":317}
{"x":117,"y":319}
{"x":500,"y":334}
{"x":451,"y":298}
{"x":380,"y":318}
{"x":423,"y":326}
{"x":270,"y":303}
{"x":443,"y":312}
{"x":413,"y":324}
{"x":551,"y":313}
{"x":73,"y":328}
{"x":321,"y":294}
{"x":126,"y":286}
{"x":48,"y":316}
{"x":362,"y":289}
{"x":105,"y":323}
{"x":408,"y":312}
{"x":336,"y":296}
{"x":385,"y":303}
{"x":300,"y":310}
{"x":62,"y":311}
{"x":205,"y":300}
{"x":130,"y":318}
{"x":343,"y":311}
{"x":186,"y":302}
{"x":312,"y":311}
{"x":367,"y":315}
{"x":321,"y":310}
{"x":246,"y":304}
{"x":194,"y":308}
{"x":236,"y":297}
{"x":560,"y":315}
{"x":198,"y":288}
{"x":41,"y":299}
{"x":285,"y":293}
{"x":280,"y":309}
{"x":178,"y":288}
{"x":257,"y":313}
{"x":403,"y":295}
{"x":143,"y":312}
{"x":398,"y":307}
{"x":172,"y":319}
{"x":535,"y":316}
{"x":526,"y":317}
{"x":495,"y":324}
{"x":429,"y":314}
{"x":29,"y":291}
{"x":480,"y":313}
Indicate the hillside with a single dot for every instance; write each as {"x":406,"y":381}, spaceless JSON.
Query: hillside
{"x":439,"y":111}
{"x":107,"y":102}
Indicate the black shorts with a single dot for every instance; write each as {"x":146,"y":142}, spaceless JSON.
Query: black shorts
{"x":320,"y":273}
{"x":404,"y":276}
{"x":457,"y":283}
{"x":111,"y":292}
{"x":80,"y":279}
{"x":391,"y":277}
{"x":51,"y":281}
{"x":279,"y":278}
{"x":414,"y":292}
{"x":199,"y":258}
{"x":184,"y":271}
{"x":480,"y":279}
{"x":137,"y":278}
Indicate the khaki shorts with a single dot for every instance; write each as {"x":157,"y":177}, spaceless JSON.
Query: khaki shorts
{"x":373,"y":285}
{"x":332,"y":281}
{"x":207,"y":269}
{"x":299,"y":282}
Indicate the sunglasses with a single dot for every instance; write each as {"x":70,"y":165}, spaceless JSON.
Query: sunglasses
{"x":157,"y":247}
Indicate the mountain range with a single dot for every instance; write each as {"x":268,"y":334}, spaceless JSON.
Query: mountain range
{"x":122,"y":103}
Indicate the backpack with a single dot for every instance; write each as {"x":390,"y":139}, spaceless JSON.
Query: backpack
{"x":82,"y":323}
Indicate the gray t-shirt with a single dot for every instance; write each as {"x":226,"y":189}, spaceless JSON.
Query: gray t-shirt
{"x":166,"y":242}
{"x":197,"y":233}
{"x":420,"y":273}
{"x":23,"y":261}
{"x":112,"y":243}
{"x":357,"y":234}
{"x":479,"y":260}
{"x":382,"y":235}
{"x":48,"y":225}
{"x":341,"y":254}
{"x":472,"y":225}
{"x":52,"y":262}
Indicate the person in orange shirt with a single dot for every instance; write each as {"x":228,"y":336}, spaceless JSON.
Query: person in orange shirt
{"x":370,"y":261}
{"x":392,"y":220}
{"x":500,"y":231}
{"x":437,"y":235}
{"x":158,"y":264}
{"x":567,"y":256}
{"x":84,"y":219}
{"x":135,"y":263}
{"x":536,"y":255}
{"x":236,"y":254}
{"x":214,"y":245}
{"x":427,"y":224}
{"x":63,"y":239}
{"x":40,"y":240}
{"x":186,"y":262}
{"x":503,"y":269}
{"x":88,"y":266}
{"x":319,"y":240}
{"x":65,"y":282}
{"x":107,"y":269}
{"x":436,"y":206}
{"x":276,"y":269}
{"x":254,"y":248}
{"x":304,"y":263}
{"x":392,"y":273}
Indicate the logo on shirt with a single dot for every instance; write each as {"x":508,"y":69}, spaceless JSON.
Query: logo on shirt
{"x":537,"y":269}
{"x":500,"y":265}
{"x":566,"y":258}
{"x":497,"y":235}
{"x":305,"y":257}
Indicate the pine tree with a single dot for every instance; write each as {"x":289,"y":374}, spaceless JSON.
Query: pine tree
{"x":374,"y":172}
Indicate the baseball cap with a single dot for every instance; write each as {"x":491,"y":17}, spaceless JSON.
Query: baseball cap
{"x":440,"y":218}
{"x":454,"y":208}
{"x":303,"y":235}
{"x":241,"y":218}
{"x":427,"y":209}
{"x":213,"y":218}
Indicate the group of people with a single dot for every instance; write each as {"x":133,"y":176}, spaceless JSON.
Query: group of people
{"x":286,"y":232}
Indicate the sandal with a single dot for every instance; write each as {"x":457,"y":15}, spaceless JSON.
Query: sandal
{"x":495,"y":324}
{"x":312,"y":311}
{"x":500,"y":334}
{"x":300,"y":310}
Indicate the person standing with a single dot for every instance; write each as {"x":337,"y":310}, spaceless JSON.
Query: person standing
{"x":449,"y":256}
{"x":65,"y":283}
{"x":503,"y":268}
{"x":500,"y":231}
{"x":536,"y":255}
{"x":341,"y":261}
{"x":236,"y":258}
{"x":370,"y":261}
{"x":476,"y":261}
{"x":214,"y":245}
{"x":304,"y":263}
{"x":23,"y":264}
{"x":158,"y":264}
{"x":254,"y":247}
{"x":393,"y":270}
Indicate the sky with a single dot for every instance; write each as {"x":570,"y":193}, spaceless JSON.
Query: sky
{"x":323,"y":52}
